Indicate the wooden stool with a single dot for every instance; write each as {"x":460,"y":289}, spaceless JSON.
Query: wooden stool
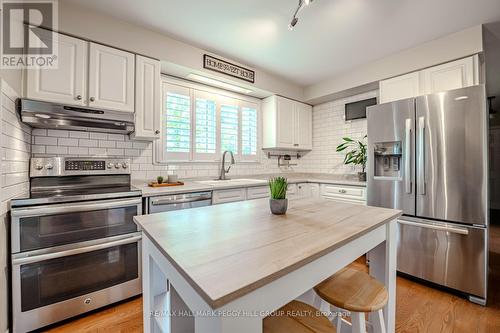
{"x":357,"y":292}
{"x":297,"y":317}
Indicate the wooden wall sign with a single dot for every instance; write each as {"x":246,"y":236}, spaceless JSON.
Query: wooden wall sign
{"x":224,"y":67}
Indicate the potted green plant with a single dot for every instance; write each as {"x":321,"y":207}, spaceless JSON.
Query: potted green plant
{"x":356,"y":154}
{"x":278,"y":202}
{"x":159,"y":180}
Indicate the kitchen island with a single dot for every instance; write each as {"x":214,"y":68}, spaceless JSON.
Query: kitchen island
{"x":235,"y":263}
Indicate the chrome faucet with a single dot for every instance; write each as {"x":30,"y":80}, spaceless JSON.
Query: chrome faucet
{"x":223,"y":169}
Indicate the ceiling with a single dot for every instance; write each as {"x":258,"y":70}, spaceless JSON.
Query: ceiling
{"x":332,"y":36}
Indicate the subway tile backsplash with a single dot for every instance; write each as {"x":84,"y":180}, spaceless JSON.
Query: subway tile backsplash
{"x":328,"y":130}
{"x":73,"y":143}
{"x":14,"y":151}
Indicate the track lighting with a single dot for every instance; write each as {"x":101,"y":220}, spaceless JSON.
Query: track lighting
{"x":295,"y":19}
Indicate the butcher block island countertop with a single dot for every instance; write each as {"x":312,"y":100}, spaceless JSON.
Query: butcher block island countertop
{"x":226,"y":251}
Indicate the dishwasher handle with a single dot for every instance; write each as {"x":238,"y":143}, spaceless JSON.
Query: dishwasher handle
{"x":174,"y":200}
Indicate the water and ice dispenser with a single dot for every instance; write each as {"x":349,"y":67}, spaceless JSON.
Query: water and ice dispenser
{"x":388,"y":159}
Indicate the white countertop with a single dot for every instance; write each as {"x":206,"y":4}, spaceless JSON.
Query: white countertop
{"x":250,"y":181}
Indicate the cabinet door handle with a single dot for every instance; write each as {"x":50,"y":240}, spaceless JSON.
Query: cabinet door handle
{"x":78,"y":97}
{"x":157,"y":132}
{"x":295,"y":144}
{"x":92,"y":99}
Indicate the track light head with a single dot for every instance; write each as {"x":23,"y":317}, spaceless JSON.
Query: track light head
{"x":293,"y":23}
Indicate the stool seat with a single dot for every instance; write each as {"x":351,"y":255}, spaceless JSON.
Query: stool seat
{"x":353,"y":290}
{"x":297,"y":317}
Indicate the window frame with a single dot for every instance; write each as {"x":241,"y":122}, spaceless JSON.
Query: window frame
{"x":194,"y":90}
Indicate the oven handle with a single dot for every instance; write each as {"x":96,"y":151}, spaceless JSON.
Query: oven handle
{"x":74,"y":207}
{"x":80,"y":250}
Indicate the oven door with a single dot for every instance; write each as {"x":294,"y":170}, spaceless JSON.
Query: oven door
{"x":50,"y":285}
{"x":46,"y":226}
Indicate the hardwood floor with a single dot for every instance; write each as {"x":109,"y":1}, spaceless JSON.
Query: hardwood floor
{"x":419,"y":309}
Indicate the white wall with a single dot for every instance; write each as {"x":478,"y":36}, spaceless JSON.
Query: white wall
{"x":329,"y":128}
{"x":15,"y":153}
{"x":492,"y":61}
{"x":95,"y":26}
{"x":451,"y":47}
{"x":74,"y":143}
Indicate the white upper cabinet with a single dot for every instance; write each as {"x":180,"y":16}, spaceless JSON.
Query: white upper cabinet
{"x":303,"y":132}
{"x":400,"y":87}
{"x":88,"y":74}
{"x":147,"y":98}
{"x":67,"y":83}
{"x":111,"y":78}
{"x":453,"y":75}
{"x":287,"y":124}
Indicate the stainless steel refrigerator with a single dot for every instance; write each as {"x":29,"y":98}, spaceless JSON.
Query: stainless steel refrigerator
{"x":428,"y":157}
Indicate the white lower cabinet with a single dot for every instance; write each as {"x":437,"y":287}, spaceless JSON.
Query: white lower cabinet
{"x":345,"y":193}
{"x":257,"y":192}
{"x":304,"y":190}
{"x":314,"y":190}
{"x":352,"y":194}
{"x":231,"y":195}
{"x":292,"y":191}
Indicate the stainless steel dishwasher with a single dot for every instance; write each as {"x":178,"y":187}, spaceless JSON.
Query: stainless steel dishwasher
{"x":179,"y":201}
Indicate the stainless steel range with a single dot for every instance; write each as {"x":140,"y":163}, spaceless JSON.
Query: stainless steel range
{"x":74,"y":244}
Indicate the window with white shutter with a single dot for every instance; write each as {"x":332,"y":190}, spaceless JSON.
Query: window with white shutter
{"x":176,"y":134}
{"x":205,"y":131}
{"x":229,"y":125}
{"x":199,"y":124}
{"x":249,"y":131}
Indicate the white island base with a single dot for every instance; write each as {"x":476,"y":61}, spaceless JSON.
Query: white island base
{"x":165,"y":279}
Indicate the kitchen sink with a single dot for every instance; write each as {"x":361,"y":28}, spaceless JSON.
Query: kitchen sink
{"x":232,"y":181}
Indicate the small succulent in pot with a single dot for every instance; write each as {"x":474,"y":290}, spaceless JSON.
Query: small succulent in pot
{"x":159,"y":180}
{"x":278,"y":202}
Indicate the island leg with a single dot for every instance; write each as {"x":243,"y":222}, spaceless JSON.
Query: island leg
{"x":155,"y":291}
{"x":383,"y":268}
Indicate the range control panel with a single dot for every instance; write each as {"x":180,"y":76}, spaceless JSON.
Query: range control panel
{"x":85,"y":165}
{"x":69,"y":166}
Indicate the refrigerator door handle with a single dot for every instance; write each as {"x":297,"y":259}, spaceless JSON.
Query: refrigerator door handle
{"x":407,"y":156}
{"x":421,"y":156}
{"x":455,"y":230}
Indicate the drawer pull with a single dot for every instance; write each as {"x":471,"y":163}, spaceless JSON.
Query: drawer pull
{"x":342,"y":191}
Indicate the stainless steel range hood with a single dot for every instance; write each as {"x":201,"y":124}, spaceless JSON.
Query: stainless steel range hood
{"x":49,"y":115}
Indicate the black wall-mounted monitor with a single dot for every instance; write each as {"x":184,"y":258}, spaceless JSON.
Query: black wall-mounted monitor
{"x":357,"y":110}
